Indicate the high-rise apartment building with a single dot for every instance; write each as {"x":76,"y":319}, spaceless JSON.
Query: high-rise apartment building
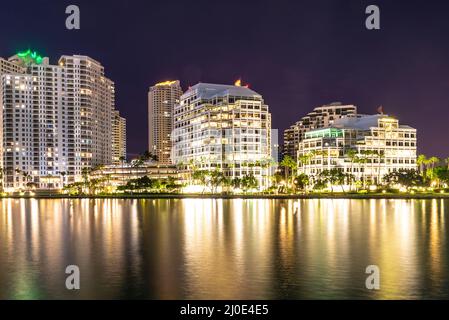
{"x":368,"y":147}
{"x":57,"y":119}
{"x":320,"y":117}
{"x":162,"y":98}
{"x":223,"y":127}
{"x":6,"y":67}
{"x":91,"y":96}
{"x":10,"y":67}
{"x":118,"y":138}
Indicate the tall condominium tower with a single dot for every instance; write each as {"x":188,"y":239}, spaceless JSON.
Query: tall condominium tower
{"x":223,"y":127}
{"x":320,"y":117}
{"x":57,"y":120}
{"x":162,"y":98}
{"x":118,"y":138}
{"x":92,"y":97}
{"x":6,"y":67}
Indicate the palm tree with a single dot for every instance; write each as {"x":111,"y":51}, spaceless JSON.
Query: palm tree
{"x":289,"y":164}
{"x":137,"y":163}
{"x":85,"y":173}
{"x":339,"y":177}
{"x":27,"y":176}
{"x":432,"y":161}
{"x":380,"y":156}
{"x":93,"y":185}
{"x":192,"y":169}
{"x":363,"y":160}
{"x":236,"y":183}
{"x":333,"y":177}
{"x":201,"y":177}
{"x":352,"y":156}
{"x":302,"y":181}
{"x":350,"y":178}
{"x":147,"y":155}
{"x":422,"y":161}
{"x":217,"y":178}
{"x":303,"y":159}
{"x":248,"y":182}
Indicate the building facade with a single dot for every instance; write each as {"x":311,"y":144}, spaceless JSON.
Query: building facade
{"x":368,"y":147}
{"x":6,"y":67}
{"x":91,"y":97}
{"x":320,"y":117}
{"x":119,"y":175}
{"x":57,"y":120}
{"x":118,"y":138}
{"x":223,"y":127}
{"x":162,"y":98}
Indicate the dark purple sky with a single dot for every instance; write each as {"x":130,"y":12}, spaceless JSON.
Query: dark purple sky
{"x":297,"y":54}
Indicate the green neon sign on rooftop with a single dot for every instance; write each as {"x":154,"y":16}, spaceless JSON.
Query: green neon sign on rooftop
{"x":29,"y":57}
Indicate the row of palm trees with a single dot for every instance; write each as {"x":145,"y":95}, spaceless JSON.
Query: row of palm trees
{"x":291,"y":167}
{"x":427,"y":165}
{"x":88,"y":185}
{"x":213,"y":179}
{"x":195,"y":169}
{"x":197,"y":163}
{"x":432,"y":170}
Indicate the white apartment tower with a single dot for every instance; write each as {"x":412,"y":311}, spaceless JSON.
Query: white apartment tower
{"x":6,"y":67}
{"x":57,"y":120}
{"x":91,"y":96}
{"x":223,"y":127}
{"x":162,"y":98}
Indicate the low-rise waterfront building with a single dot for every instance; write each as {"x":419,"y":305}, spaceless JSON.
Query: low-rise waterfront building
{"x":366,"y":146}
{"x":118,"y":175}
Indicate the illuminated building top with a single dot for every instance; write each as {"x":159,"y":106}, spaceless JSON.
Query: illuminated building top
{"x":166,"y":83}
{"x":209,"y":91}
{"x":30,"y":57}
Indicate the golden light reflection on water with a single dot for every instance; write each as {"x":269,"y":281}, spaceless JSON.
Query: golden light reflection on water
{"x":223,"y":249}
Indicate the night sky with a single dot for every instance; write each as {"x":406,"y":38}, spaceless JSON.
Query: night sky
{"x":297,"y":54}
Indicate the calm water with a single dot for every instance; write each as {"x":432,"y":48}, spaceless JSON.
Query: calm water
{"x":224,"y":249}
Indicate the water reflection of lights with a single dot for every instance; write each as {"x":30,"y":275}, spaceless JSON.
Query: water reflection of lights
{"x":188,"y":248}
